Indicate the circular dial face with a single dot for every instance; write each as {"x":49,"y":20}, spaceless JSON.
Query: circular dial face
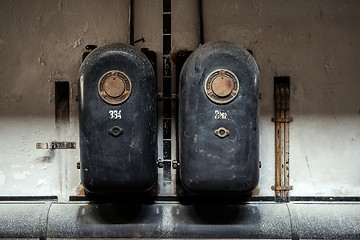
{"x":114,"y":87}
{"x":221,"y":86}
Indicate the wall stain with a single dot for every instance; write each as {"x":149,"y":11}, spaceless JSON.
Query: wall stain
{"x":308,"y":166}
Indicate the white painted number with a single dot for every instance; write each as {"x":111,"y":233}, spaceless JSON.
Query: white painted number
{"x":115,"y":114}
{"x":220,"y":114}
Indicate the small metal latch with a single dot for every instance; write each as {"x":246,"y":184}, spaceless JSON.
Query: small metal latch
{"x":56,"y":145}
{"x":222,"y":132}
{"x":116,"y":131}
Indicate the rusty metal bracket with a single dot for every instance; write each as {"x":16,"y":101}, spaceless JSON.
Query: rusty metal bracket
{"x":173,"y":97}
{"x":281,"y":188}
{"x":282,"y":120}
{"x":56,"y":145}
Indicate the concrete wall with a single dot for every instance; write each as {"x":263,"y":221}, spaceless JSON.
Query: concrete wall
{"x":316,"y":43}
{"x":42,"y":42}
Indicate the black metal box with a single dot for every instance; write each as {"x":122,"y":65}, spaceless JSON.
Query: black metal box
{"x":218,"y":120}
{"x":118,"y":125}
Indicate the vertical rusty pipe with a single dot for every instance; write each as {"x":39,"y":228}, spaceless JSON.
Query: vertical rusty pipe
{"x":282,"y":139}
{"x":286,"y":137}
{"x":277,"y":141}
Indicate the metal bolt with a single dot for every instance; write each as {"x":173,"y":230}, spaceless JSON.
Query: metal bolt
{"x":160,"y":164}
{"x":175,"y":164}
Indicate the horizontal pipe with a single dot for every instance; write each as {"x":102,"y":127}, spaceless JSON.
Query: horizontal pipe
{"x":174,"y":220}
{"x":23,"y":220}
{"x":248,"y":199}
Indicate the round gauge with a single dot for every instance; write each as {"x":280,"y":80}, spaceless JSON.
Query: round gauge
{"x":114,"y":87}
{"x":221,"y":86}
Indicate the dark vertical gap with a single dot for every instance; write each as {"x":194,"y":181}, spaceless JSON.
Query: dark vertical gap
{"x":201,"y":22}
{"x":167,"y":93}
{"x":167,"y":44}
{"x":181,"y":57}
{"x":151,"y":55}
{"x":166,"y":66}
{"x":166,"y":24}
{"x":167,"y":108}
{"x":166,"y":6}
{"x":167,"y":129}
{"x":167,"y":150}
{"x":167,"y":86}
{"x":131,"y":22}
{"x":62,"y":97}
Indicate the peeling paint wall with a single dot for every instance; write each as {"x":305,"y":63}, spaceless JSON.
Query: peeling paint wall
{"x":316,"y":43}
{"x":42,"y":42}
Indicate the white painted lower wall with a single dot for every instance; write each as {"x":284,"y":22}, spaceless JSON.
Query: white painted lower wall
{"x":316,"y":43}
